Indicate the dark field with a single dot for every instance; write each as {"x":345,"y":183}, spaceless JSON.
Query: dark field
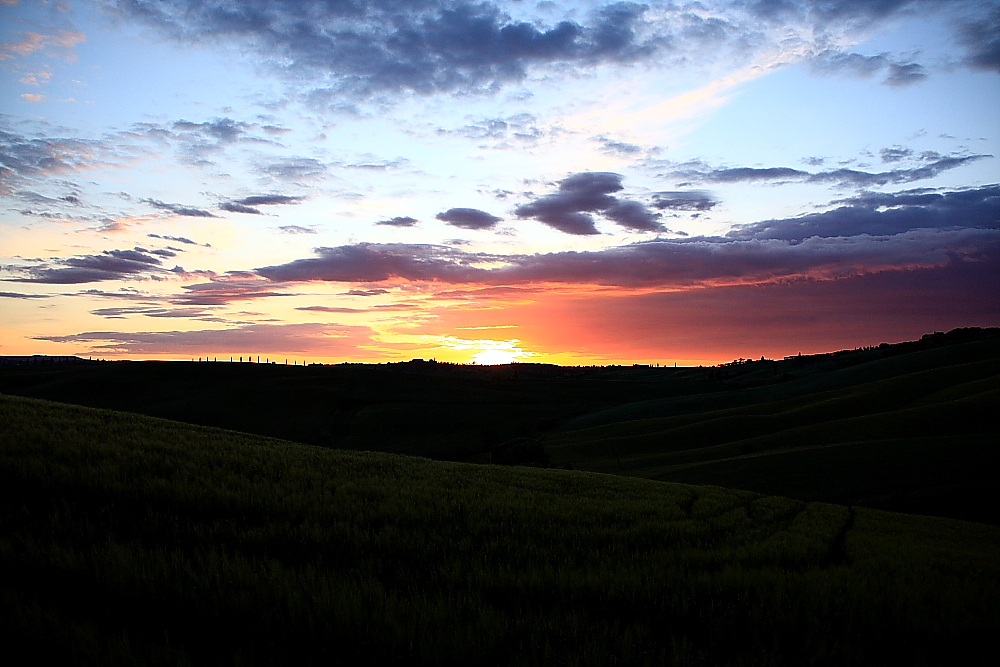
{"x":131,"y":540}
{"x":909,"y":427}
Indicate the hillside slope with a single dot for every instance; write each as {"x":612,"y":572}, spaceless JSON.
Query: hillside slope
{"x":923,"y":441}
{"x":132,"y":540}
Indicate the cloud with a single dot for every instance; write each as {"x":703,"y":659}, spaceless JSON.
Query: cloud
{"x":935,"y":164}
{"x":24,"y":158}
{"x":897,"y":73}
{"x":248,"y":204}
{"x":179,"y":209}
{"x":234,"y":207}
{"x":399,"y":221}
{"x":569,"y":208}
{"x":521,"y":127}
{"x":622,"y":148}
{"x":227,"y":290}
{"x":327,"y":340}
{"x":292,"y":169}
{"x":149,"y":311}
{"x":868,"y":235}
{"x":179,"y":239}
{"x":64,"y":40}
{"x":684,"y":200}
{"x":331,"y":309}
{"x":221,"y":130}
{"x":365,"y":292}
{"x":371,"y":262}
{"x":879,"y":214}
{"x":904,"y":74}
{"x":18,"y":295}
{"x":134,"y":264}
{"x":895,"y":154}
{"x":373,"y":46}
{"x":270,"y":200}
{"x":468,"y":218}
{"x":982,"y":38}
{"x":296,"y":229}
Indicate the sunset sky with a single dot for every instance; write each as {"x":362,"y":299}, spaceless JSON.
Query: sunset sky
{"x":562,"y":182}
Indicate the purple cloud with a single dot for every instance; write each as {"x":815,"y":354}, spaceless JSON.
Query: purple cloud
{"x":468,"y":218}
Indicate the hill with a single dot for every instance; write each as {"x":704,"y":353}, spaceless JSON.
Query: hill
{"x":904,"y":427}
{"x":131,"y":540}
{"x":921,"y":440}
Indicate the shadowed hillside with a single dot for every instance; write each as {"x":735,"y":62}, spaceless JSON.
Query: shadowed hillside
{"x":906,"y":427}
{"x":131,"y":540}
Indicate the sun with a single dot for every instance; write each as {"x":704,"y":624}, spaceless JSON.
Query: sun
{"x":496,"y":357}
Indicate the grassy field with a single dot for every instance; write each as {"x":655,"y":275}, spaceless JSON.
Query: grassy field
{"x":907,"y":427}
{"x":131,"y":540}
{"x":438,"y":410}
{"x":922,"y":440}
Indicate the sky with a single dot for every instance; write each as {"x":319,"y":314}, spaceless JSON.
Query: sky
{"x":486,"y":182}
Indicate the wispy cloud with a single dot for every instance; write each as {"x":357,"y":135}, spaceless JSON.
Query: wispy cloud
{"x":300,"y":339}
{"x":932,"y":165}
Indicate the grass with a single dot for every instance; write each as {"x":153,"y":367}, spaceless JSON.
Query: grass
{"x":131,"y":540}
{"x":922,"y":441}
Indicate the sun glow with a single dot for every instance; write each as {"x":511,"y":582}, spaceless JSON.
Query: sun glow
{"x":497,"y":357}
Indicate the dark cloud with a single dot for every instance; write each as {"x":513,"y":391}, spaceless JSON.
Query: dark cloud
{"x":427,"y":46}
{"x":684,"y":200}
{"x":579,"y":195}
{"x":365,"y":292}
{"x":871,"y":234}
{"x":634,"y":215}
{"x":897,"y":73}
{"x":520,"y":128}
{"x":895,"y":154}
{"x":468,"y":218}
{"x":936,"y":164}
{"x":227,"y":290}
{"x":179,"y":239}
{"x":331,"y":309}
{"x":24,"y":158}
{"x":371,"y":262}
{"x":982,"y":38}
{"x":619,"y":147}
{"x":149,"y":311}
{"x":178,"y":209}
{"x":109,"y":265}
{"x":269,"y":200}
{"x":333,"y":340}
{"x":18,"y":295}
{"x":487,"y":294}
{"x":399,"y":221}
{"x":901,"y":74}
{"x":221,"y":130}
{"x":234,"y":207}
{"x":878,"y":214}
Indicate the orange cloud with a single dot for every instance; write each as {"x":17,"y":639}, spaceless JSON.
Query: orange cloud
{"x":36,"y":78}
{"x":36,"y":41}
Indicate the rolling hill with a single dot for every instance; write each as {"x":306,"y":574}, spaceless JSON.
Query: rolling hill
{"x":126,"y":539}
{"x":905,"y":427}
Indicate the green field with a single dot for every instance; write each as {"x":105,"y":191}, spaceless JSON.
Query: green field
{"x":132,"y":540}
